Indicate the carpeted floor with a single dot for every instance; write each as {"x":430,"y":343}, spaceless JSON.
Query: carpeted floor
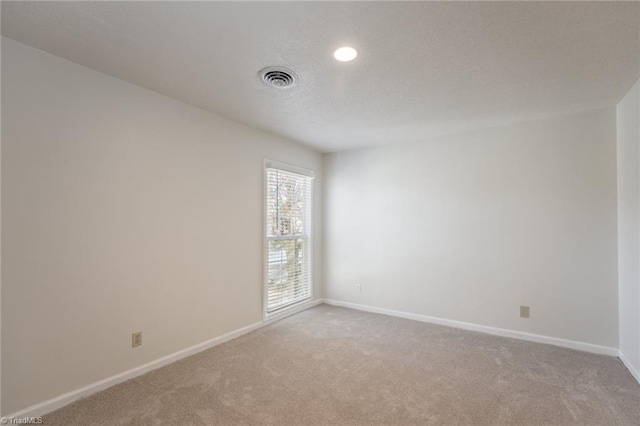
{"x":329,"y":366}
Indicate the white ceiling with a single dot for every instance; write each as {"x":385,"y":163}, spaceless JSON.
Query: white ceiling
{"x":423,"y":69}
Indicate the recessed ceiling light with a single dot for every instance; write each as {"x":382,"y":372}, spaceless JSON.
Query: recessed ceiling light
{"x":345,"y":54}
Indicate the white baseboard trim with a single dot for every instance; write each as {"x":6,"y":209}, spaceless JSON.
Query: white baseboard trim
{"x":635,"y":373}
{"x":60,"y":401}
{"x":572,"y":344}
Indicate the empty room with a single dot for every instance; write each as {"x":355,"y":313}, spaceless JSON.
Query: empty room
{"x":320,"y":213}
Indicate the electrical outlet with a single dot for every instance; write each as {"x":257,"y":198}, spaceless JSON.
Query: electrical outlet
{"x":136,"y":339}
{"x":524,"y":311}
{"x":359,"y":288}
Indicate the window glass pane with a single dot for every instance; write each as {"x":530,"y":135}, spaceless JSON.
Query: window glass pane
{"x":287,"y":203}
{"x":288,"y":272}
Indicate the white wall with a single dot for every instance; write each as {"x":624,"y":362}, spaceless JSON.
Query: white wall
{"x":123,"y":211}
{"x":628,"y":119}
{"x":470,"y":227}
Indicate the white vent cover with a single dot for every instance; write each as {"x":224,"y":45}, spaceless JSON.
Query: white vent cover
{"x":278,"y":77}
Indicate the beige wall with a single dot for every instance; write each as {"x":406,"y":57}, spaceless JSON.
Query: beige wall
{"x":470,"y":227}
{"x":628,"y":119}
{"x":123,"y":210}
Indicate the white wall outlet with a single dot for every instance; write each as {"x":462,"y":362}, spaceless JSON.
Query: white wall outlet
{"x":359,"y":288}
{"x":524,"y":311}
{"x":136,"y":339}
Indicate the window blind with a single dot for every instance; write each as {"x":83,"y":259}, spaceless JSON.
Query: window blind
{"x":288,"y":235}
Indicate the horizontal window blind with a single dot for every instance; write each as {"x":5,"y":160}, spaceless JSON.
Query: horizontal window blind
{"x":288,"y":234}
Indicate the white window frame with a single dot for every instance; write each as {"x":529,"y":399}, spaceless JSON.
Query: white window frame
{"x":265,"y":250}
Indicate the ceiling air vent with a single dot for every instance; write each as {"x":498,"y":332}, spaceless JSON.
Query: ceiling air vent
{"x":278,"y":77}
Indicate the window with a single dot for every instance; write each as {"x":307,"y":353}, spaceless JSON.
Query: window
{"x":288,"y":236}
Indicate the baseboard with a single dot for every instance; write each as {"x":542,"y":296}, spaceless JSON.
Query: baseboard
{"x":572,"y":344}
{"x":635,"y":373}
{"x":60,"y":401}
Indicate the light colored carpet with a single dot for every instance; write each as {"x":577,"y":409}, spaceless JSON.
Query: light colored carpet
{"x":329,"y":366}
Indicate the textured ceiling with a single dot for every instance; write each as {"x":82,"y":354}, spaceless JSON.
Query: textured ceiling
{"x":423,"y":69}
